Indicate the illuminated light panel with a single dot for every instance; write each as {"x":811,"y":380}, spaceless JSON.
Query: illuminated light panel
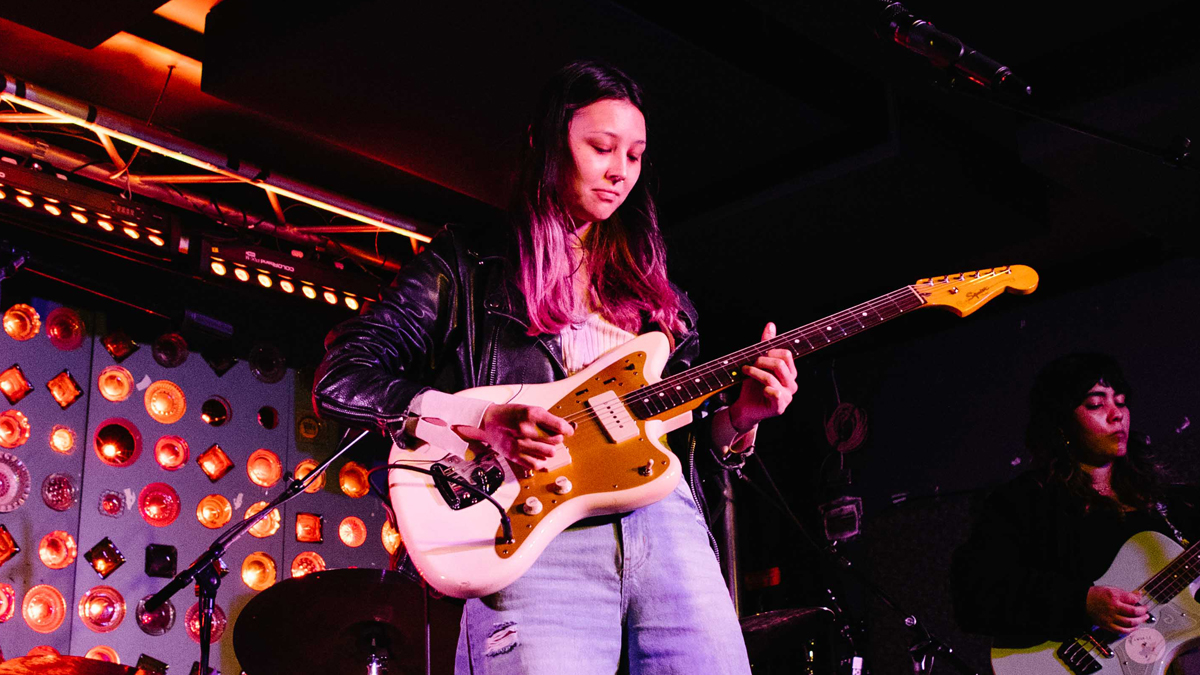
{"x":390,"y":538}
{"x":59,"y":491}
{"x":191,"y":621}
{"x":308,"y":291}
{"x":287,"y":286}
{"x":307,"y":563}
{"x":218,"y":268}
{"x":215,"y":411}
{"x":159,"y":504}
{"x":258,"y":571}
{"x":170,"y":350}
{"x":214,"y":511}
{"x":267,"y":526}
{"x":44,"y":608}
{"x":352,"y":531}
{"x":241,"y":274}
{"x":14,"y":385}
{"x":8,"y":545}
{"x":102,"y":609}
{"x":131,"y":233}
{"x":111,"y":503}
{"x":64,"y":389}
{"x":161,"y":561}
{"x":103,"y":653}
{"x":22,"y":322}
{"x":116,"y":383}
{"x":3,"y":195}
{"x":306,"y":467}
{"x":25,"y":201}
{"x":105,"y":558}
{"x":171,"y":452}
{"x":57,"y":550}
{"x":330,"y":297}
{"x":214,"y":463}
{"x":165,"y":402}
{"x":117,"y":443}
{"x":118,"y":345}
{"x":8,"y":602}
{"x":52,"y":209}
{"x":43,"y":650}
{"x":65,"y":329}
{"x":264,"y":468}
{"x":352,"y":303}
{"x":156,"y":240}
{"x":105,"y":225}
{"x":155,"y":623}
{"x":264,"y":280}
{"x":353,"y":480}
{"x":14,"y":482}
{"x":308,"y":528}
{"x":79,"y":218}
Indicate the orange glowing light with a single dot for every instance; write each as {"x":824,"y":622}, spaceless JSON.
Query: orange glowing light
{"x":352,"y":303}
{"x":22,"y":322}
{"x":116,"y":383}
{"x":306,"y":467}
{"x":308,"y":291}
{"x":241,"y":274}
{"x":159,"y":504}
{"x":103,"y":653}
{"x":79,"y":218}
{"x":62,"y":439}
{"x":8,"y":545}
{"x":264,"y":280}
{"x":43,"y":650}
{"x":165,"y":402}
{"x":264,"y":468}
{"x":52,"y":209}
{"x":8,"y":602}
{"x":171,"y":452}
{"x":65,"y":329}
{"x":44,"y":608}
{"x":25,"y":201}
{"x":156,"y":240}
{"x":3,"y":195}
{"x":287,"y":286}
{"x":214,"y":511}
{"x":191,"y":622}
{"x":102,"y":609}
{"x":307,"y":563}
{"x":14,"y":385}
{"x":218,"y":268}
{"x":117,"y":442}
{"x":105,"y":225}
{"x":353,"y":480}
{"x":390,"y":537}
{"x":214,"y":463}
{"x":267,"y":526}
{"x":64,"y":389}
{"x":131,"y":233}
{"x":308,"y":528}
{"x":258,"y":571}
{"x":352,"y":532}
{"x":330,"y":297}
{"x":57,"y":550}
{"x":14,"y":429}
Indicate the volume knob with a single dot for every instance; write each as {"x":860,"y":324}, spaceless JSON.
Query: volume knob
{"x":562,"y":485}
{"x":533,"y":506}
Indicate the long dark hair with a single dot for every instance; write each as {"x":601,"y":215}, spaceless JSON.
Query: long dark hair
{"x":626,"y":257}
{"x":1053,"y":434}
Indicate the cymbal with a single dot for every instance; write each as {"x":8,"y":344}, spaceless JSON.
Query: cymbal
{"x":324,"y":623}
{"x":62,"y":665}
{"x":772,"y":630}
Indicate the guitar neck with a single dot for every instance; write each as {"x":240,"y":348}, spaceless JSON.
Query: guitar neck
{"x":704,"y":380}
{"x":1176,"y":576}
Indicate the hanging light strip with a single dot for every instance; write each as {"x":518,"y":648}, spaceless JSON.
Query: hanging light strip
{"x":18,"y":93}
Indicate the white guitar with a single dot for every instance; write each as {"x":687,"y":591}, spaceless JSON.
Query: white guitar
{"x":1170,"y":584}
{"x":616,"y":461}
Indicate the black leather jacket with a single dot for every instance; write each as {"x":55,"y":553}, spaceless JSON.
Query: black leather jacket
{"x":452,"y":319}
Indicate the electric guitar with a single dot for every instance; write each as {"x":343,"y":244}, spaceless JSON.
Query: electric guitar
{"x":1168,"y":571}
{"x":616,"y":461}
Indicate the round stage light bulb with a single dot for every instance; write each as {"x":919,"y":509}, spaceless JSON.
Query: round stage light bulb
{"x":44,"y":608}
{"x":52,"y":209}
{"x":264,"y":468}
{"x":165,"y":402}
{"x":102,"y":609}
{"x":258,"y":571}
{"x":156,"y":240}
{"x":306,"y":563}
{"x":14,"y":429}
{"x":171,"y":452}
{"x":111,"y":503}
{"x":352,"y":531}
{"x":309,"y":292}
{"x":306,"y":467}
{"x":287,"y":286}
{"x":215,"y":411}
{"x":103,"y":653}
{"x":25,"y":201}
{"x":131,"y":233}
{"x":22,"y":322}
{"x":218,"y":268}
{"x":214,"y":511}
{"x":353,"y":480}
{"x":79,"y":218}
{"x":117,"y":443}
{"x":267,"y":526}
{"x":170,"y":350}
{"x":105,"y":225}
{"x":264,"y":280}
{"x":116,"y":383}
{"x":352,"y":303}
{"x":241,"y":274}
{"x":330,"y":297}
{"x":65,"y":329}
{"x":390,"y":538}
{"x":14,"y":482}
{"x":59,"y":492}
{"x":159,"y":504}
{"x":8,"y":602}
{"x":191,"y":622}
{"x":62,"y":439}
{"x":57,"y":550}
{"x":154,"y":623}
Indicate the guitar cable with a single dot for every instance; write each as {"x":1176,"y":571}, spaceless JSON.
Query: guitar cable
{"x":505,"y":520}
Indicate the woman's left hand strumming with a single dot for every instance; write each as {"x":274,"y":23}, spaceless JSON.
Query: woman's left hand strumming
{"x":769,"y":389}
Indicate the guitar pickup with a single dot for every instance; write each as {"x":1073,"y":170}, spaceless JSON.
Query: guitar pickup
{"x":614,"y":416}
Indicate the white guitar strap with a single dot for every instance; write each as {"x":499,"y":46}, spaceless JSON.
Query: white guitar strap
{"x":1162,"y":511}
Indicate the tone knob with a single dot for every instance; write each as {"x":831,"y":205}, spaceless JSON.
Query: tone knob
{"x":562,"y":485}
{"x":533,"y":506}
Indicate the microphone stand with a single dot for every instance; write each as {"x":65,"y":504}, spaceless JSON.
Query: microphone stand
{"x":206,"y":572}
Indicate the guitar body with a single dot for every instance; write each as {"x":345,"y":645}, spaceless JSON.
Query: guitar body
{"x":459,"y":550}
{"x":1150,"y":649}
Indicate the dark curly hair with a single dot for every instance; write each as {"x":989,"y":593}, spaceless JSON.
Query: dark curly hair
{"x":1053,"y":434}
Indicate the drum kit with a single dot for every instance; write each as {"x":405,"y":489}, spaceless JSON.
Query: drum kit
{"x":372,"y":622}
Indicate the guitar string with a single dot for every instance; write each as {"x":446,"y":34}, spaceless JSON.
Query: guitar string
{"x":1170,"y":579}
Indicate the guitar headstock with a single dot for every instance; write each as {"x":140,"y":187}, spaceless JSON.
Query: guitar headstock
{"x":968,"y":291}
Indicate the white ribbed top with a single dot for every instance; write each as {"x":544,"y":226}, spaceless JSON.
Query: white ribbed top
{"x":587,"y":341}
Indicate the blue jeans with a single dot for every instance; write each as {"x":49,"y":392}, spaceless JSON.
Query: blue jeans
{"x":645,"y":589}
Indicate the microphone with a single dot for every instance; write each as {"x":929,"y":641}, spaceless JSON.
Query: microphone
{"x":946,"y":51}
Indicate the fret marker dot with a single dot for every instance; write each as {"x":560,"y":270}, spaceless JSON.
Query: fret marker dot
{"x":697,"y":380}
{"x":828,"y":327}
{"x":678,"y":387}
{"x":864,"y":313}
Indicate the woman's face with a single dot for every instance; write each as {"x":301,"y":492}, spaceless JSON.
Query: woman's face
{"x":607,"y":139}
{"x":1103,"y":423}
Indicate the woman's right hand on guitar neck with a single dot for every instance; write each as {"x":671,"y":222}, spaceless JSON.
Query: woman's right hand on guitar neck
{"x":527,"y":436}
